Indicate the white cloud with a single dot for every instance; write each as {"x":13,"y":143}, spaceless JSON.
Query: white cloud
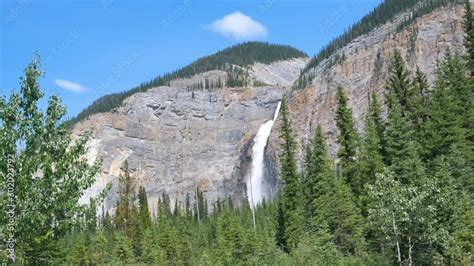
{"x":70,"y":86}
{"x":239,"y":26}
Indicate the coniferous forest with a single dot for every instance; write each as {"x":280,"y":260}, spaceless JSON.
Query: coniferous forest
{"x":399,"y":193}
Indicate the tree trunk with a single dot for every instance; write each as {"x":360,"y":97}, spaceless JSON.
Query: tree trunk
{"x":399,"y":255}
{"x":410,"y":260}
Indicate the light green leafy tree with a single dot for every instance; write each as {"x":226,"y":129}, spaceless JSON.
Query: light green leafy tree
{"x":51,"y":171}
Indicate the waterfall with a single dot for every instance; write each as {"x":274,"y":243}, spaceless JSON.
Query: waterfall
{"x":255,"y":179}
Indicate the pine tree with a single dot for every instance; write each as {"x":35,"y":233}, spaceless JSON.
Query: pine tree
{"x":280,"y":229}
{"x":165,"y":205}
{"x":371,"y":160}
{"x":347,"y":139}
{"x":338,"y":210}
{"x":168,"y":240}
{"x":123,"y":252}
{"x":402,"y":149}
{"x":80,"y":255}
{"x":317,"y":249}
{"x":450,"y":114}
{"x":229,"y":238}
{"x":318,"y":172}
{"x":399,"y":83}
{"x":418,"y":104}
{"x":144,"y":212}
{"x":126,"y":209}
{"x":151,"y":254}
{"x":100,"y":250}
{"x":291,"y":190}
{"x":468,"y":24}
{"x":188,"y":209}
{"x":375,"y":112}
{"x":202,"y":204}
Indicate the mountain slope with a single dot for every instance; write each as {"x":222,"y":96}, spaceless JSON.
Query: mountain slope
{"x":190,"y":133}
{"x":242,"y":55}
{"x":382,"y":14}
{"x":364,"y":70}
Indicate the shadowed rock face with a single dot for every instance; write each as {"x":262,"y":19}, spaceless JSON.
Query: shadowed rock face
{"x":175,"y":140}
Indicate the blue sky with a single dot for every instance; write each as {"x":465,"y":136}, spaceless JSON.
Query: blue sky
{"x":93,"y":48}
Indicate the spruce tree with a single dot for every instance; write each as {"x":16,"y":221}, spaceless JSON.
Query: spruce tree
{"x":144,"y":212}
{"x":291,"y":189}
{"x":347,"y":139}
{"x":402,"y":149}
{"x":375,"y":113}
{"x":337,"y":208}
{"x":126,"y":209}
{"x":123,"y":252}
{"x":399,"y":83}
{"x":450,"y":113}
{"x":280,"y":229}
{"x":468,"y":24}
{"x":100,"y":252}
{"x":318,"y":172}
{"x":371,"y":159}
{"x":418,"y":104}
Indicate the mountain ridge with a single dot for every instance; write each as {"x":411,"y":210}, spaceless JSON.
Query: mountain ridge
{"x":242,"y":55}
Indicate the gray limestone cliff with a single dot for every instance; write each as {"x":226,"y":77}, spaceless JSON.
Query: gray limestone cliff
{"x":176,"y":139}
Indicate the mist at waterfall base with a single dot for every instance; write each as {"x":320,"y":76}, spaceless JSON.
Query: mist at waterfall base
{"x":255,"y":190}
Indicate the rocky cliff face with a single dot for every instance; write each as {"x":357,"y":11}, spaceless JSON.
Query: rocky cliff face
{"x":365,"y":69}
{"x":176,"y":139}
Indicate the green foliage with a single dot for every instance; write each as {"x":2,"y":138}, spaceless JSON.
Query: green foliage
{"x":371,"y":158}
{"x":418,"y":104}
{"x":337,"y":208}
{"x":398,"y":85}
{"x":348,"y":139}
{"x":318,"y":172}
{"x":123,"y":252}
{"x":469,"y":36}
{"x":317,"y":249}
{"x":401,"y":150}
{"x":291,"y":194}
{"x":450,"y":112}
{"x":144,"y":212}
{"x":48,"y":170}
{"x":126,"y":208}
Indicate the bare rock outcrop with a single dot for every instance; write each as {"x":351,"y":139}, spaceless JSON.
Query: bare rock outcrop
{"x":177,"y":139}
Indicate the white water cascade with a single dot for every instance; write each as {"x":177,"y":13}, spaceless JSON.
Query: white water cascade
{"x":255,"y":179}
